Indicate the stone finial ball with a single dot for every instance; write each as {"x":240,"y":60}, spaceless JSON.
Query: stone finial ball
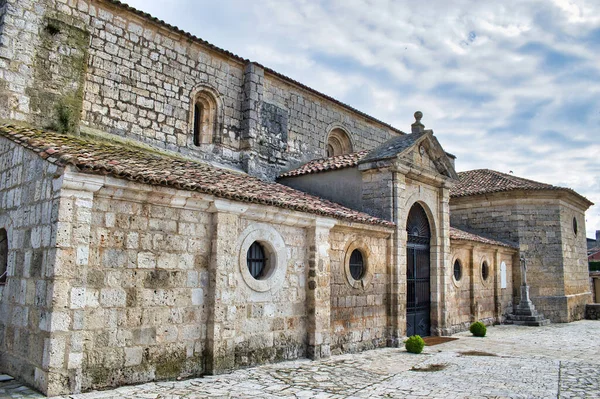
{"x":418,"y":115}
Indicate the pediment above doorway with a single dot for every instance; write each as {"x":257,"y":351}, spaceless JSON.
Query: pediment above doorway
{"x":418,"y":153}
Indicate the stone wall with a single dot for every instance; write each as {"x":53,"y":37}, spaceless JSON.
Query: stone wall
{"x":359,"y":309}
{"x":98,"y":65}
{"x":311,"y":118}
{"x":575,"y":265}
{"x":28,"y":320}
{"x":271,"y":325}
{"x":343,"y":186}
{"x":143,"y":294}
{"x":472,"y":297}
{"x":535,"y":221}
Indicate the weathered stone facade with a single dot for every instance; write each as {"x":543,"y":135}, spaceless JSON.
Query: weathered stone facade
{"x":129,"y":235}
{"x":137,"y":79}
{"x":30,"y":320}
{"x":542,"y":225}
{"x":475,"y":297}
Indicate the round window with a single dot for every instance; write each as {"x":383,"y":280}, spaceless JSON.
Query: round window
{"x":457,"y":270}
{"x":575,"y":226}
{"x":485,"y":271}
{"x":357,"y":265}
{"x":257,"y":261}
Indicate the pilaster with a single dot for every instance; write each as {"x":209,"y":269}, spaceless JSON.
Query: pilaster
{"x":398,"y":265}
{"x":318,"y":297}
{"x":445,"y":259}
{"x":251,"y":108}
{"x":220,"y":357}
{"x":63,"y":352}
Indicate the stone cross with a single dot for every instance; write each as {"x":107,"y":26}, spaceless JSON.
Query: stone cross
{"x":523,"y":270}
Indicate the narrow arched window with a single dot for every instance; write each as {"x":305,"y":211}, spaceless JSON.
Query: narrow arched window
{"x":3,"y":256}
{"x":503,"y":280}
{"x":204,"y":118}
{"x":197,"y":123}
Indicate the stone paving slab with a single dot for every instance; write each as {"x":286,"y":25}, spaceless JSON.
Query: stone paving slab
{"x":556,"y":361}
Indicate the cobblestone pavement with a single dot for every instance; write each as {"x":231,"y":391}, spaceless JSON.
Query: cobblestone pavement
{"x":556,"y":361}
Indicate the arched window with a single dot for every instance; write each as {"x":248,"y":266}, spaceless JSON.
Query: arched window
{"x":503,"y":280}
{"x":204,"y":118}
{"x":338,"y":143}
{"x":3,"y":256}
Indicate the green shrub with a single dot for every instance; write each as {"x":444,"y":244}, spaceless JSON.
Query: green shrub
{"x":478,"y":329}
{"x":595,"y":266}
{"x":414,"y":344}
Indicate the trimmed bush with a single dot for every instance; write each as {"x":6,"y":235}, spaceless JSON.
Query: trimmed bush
{"x":414,"y":344}
{"x":478,"y":329}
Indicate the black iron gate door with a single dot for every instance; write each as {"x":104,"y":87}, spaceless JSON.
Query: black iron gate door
{"x":418,"y":298}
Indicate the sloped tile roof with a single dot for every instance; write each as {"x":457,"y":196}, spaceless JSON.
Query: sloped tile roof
{"x":485,"y":181}
{"x":156,"y":168}
{"x":461,"y":235}
{"x":325,"y":164}
{"x":393,"y":147}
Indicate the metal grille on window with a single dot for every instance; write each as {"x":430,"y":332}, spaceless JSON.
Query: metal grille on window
{"x":457,"y":270}
{"x":257,"y":260}
{"x":357,"y":266}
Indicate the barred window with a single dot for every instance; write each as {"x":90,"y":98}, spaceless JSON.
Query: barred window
{"x":357,"y":265}
{"x":256,"y":260}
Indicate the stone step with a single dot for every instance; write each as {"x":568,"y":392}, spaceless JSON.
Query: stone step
{"x":539,"y":323}
{"x":535,"y":320}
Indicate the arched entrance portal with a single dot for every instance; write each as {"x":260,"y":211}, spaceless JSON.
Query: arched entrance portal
{"x":418,"y":298}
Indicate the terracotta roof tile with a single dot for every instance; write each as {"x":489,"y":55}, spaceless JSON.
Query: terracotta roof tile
{"x":485,"y":181}
{"x":155,"y":168}
{"x":325,"y":164}
{"x":461,"y":235}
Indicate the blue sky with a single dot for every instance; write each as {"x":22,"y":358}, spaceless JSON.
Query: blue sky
{"x":510,"y":86}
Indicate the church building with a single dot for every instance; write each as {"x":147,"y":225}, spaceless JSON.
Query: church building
{"x":169,"y":209}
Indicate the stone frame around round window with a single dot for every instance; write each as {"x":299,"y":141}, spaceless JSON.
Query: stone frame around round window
{"x":276,"y":254}
{"x":458,"y":282}
{"x":367,"y":275}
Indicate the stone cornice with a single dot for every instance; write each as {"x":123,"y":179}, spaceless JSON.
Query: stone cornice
{"x":519,"y":197}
